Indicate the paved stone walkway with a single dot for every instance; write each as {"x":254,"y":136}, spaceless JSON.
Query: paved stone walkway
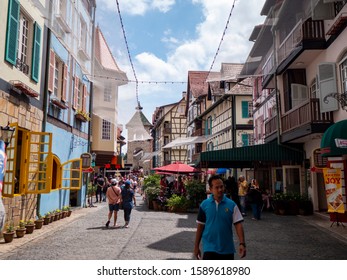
{"x":161,"y":235}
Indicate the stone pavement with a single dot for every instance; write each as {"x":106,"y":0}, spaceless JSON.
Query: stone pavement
{"x":154,"y":235}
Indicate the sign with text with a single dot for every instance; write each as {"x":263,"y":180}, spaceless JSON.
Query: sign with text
{"x":333,"y":190}
{"x":341,"y":143}
{"x":86,"y":160}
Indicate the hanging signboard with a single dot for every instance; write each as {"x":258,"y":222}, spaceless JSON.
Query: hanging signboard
{"x":86,"y":160}
{"x":333,"y":190}
{"x":341,"y":143}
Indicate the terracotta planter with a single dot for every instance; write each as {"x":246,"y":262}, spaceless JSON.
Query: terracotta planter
{"x":8,"y":236}
{"x":69,"y":213}
{"x":20,"y":232}
{"x":38,"y":224}
{"x":29,"y":229}
{"x":155,"y":205}
{"x":46,"y":220}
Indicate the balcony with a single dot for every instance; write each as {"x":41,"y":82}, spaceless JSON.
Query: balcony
{"x":305,"y":35}
{"x":271,"y":127}
{"x":197,"y":132}
{"x":300,"y":121}
{"x":307,"y":116}
{"x":167,"y":130}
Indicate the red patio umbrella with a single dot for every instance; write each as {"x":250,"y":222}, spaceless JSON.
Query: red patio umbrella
{"x":176,"y":167}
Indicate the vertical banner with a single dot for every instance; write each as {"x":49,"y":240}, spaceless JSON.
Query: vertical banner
{"x":2,"y":163}
{"x":333,"y":190}
{"x":2,"y":175}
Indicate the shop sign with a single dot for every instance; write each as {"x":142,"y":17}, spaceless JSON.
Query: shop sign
{"x":333,"y":190}
{"x":341,"y":143}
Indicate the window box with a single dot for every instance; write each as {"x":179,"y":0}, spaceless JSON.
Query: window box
{"x":82,"y":116}
{"x":58,"y":103}
{"x":24,"y":88}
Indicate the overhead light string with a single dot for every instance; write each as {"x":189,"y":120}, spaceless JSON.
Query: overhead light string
{"x":221,"y":40}
{"x":128,"y":50}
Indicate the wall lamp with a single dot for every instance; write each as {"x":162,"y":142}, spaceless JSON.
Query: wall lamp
{"x":6,"y":134}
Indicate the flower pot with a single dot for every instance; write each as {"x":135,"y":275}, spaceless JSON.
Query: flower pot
{"x":38,"y":224}
{"x":8,"y":236}
{"x":69,"y":213}
{"x":29,"y":228}
{"x":155,"y":205}
{"x":46,"y":220}
{"x":20,"y":232}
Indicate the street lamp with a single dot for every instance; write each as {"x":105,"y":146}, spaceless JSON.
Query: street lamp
{"x":6,"y":134}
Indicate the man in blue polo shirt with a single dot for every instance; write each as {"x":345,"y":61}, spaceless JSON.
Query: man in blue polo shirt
{"x":216,"y":217}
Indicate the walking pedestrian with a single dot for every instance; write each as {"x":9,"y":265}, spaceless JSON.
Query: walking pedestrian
{"x":216,"y":217}
{"x":255,"y":199}
{"x":100,"y":182}
{"x":114,"y":198}
{"x":243,"y":189}
{"x":129,"y":201}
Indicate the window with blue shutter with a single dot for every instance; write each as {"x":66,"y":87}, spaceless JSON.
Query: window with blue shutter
{"x":12,"y":31}
{"x":206,"y":127}
{"x":245,"y":109}
{"x":35,"y":63}
{"x":245,"y":140}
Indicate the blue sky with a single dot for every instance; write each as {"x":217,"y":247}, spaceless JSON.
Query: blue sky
{"x":167,"y":38}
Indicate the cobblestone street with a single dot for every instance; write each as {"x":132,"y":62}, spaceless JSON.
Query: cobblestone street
{"x":163,"y":235}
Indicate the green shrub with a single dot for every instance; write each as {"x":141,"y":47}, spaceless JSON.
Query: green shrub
{"x":152,"y":192}
{"x":176,"y":202}
{"x":196,"y":192}
{"x":151,"y":181}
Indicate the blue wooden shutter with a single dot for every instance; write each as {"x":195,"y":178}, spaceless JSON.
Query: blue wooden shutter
{"x":245,"y":140}
{"x":12,"y":31}
{"x":245,"y":109}
{"x":35,"y":63}
{"x":206,"y":127}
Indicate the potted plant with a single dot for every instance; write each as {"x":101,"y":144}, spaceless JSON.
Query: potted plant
{"x":47,"y":218}
{"x":177,"y":203}
{"x":152,"y":193}
{"x":196,"y":192}
{"x":58,"y":214}
{"x":162,"y":200}
{"x":9,"y":233}
{"x":69,"y":211}
{"x":20,"y":230}
{"x":30,"y":226}
{"x":54,"y":216}
{"x":38,"y":222}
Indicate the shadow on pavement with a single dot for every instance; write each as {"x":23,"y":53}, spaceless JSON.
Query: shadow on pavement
{"x":182,"y":242}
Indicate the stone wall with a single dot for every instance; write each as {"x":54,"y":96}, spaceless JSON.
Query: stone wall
{"x":22,"y":207}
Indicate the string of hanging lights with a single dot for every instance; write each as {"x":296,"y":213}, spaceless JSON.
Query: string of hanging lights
{"x":136,"y":81}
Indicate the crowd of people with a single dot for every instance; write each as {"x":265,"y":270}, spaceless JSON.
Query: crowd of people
{"x":214,"y":227}
{"x":119,"y":192}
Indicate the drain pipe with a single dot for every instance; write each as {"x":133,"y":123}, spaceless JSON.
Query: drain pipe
{"x":45,"y":104}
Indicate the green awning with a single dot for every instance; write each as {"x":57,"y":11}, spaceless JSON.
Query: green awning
{"x":328,"y":145}
{"x":247,"y":156}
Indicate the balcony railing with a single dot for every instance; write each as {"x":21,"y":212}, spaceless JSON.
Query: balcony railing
{"x":197,"y":132}
{"x":167,"y":130}
{"x":310,"y":30}
{"x":308,"y":112}
{"x":271,"y":126}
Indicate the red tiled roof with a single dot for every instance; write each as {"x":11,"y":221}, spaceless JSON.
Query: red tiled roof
{"x":103,"y":53}
{"x":197,"y":83}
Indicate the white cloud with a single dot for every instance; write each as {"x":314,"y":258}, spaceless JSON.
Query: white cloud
{"x":137,"y":7}
{"x":188,"y":55}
